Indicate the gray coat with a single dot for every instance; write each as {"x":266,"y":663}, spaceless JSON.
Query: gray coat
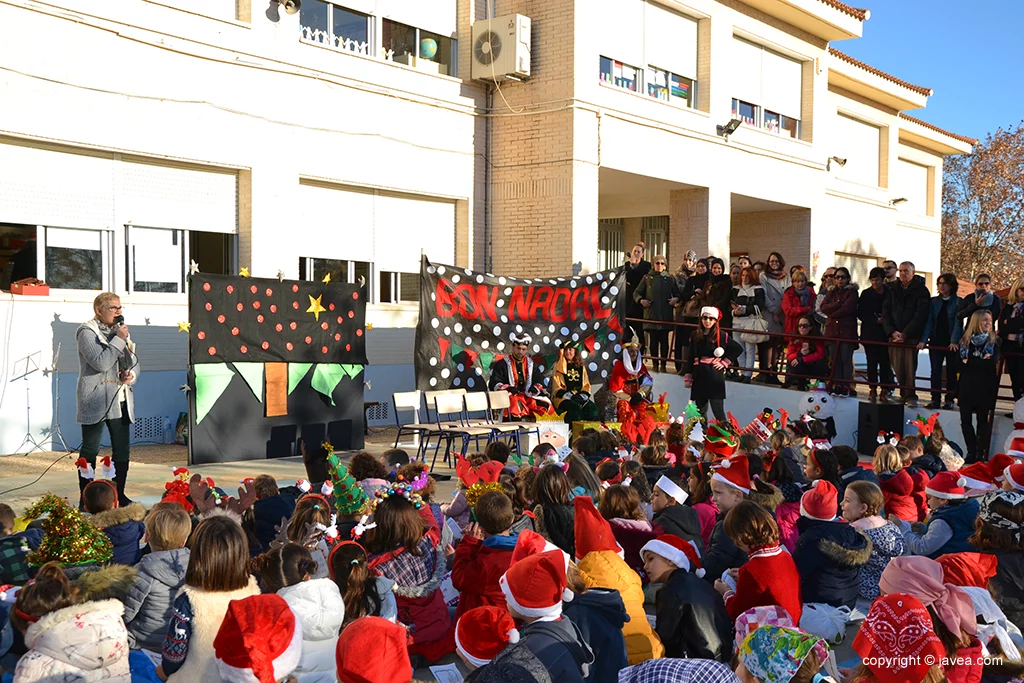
{"x":147,"y":607}
{"x":102,"y":355}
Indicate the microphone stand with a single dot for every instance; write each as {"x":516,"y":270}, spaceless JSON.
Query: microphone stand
{"x":56,"y":397}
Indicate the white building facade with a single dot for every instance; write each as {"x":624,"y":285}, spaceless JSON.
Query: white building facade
{"x":348,"y":138}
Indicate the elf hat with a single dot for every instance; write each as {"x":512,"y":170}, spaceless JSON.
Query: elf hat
{"x":530,"y":543}
{"x":820,"y":502}
{"x":968,"y":569}
{"x":947,"y":485}
{"x":998,"y":463}
{"x":720,"y":440}
{"x":735,"y":472}
{"x":672,"y":489}
{"x":537,"y":586}
{"x":483,"y":632}
{"x":682,"y":554}
{"x":259,"y":641}
{"x":593,"y":532}
{"x":902,"y":659}
{"x":373,"y":650}
{"x":978,"y":478}
{"x":1014,"y":474}
{"x":349,"y":497}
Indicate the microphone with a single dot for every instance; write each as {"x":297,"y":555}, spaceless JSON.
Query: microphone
{"x":118,"y":322}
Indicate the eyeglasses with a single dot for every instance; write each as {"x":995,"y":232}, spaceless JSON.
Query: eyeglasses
{"x":803,"y":325}
{"x":842,"y":277}
{"x":828,"y":276}
{"x":984,"y":284}
{"x":113,"y":308}
{"x":708,"y":317}
{"x":660,"y":263}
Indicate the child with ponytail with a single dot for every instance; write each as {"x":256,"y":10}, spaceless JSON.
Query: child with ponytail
{"x":365,"y":594}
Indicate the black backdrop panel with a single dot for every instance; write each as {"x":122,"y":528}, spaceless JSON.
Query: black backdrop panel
{"x":236,"y":429}
{"x":873,"y":418}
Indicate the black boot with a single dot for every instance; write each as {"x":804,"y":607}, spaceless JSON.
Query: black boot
{"x":82,"y":483}
{"x":120,"y":476}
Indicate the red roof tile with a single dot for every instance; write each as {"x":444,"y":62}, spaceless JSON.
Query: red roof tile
{"x":961,"y":138}
{"x":861,"y":14}
{"x":878,"y":72}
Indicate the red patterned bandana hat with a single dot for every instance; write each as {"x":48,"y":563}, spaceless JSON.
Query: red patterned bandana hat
{"x":898,"y":637}
{"x":483,"y":632}
{"x":259,"y":641}
{"x":735,"y":472}
{"x":720,"y":440}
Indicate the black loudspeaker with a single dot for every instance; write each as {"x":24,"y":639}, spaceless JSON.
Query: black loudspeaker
{"x":873,"y":418}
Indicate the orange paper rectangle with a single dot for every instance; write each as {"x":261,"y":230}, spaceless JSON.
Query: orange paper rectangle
{"x":276,"y":401}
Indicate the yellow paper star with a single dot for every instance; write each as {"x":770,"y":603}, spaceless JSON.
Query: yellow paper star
{"x":244,"y":272}
{"x":327,"y":279}
{"x":369,"y":326}
{"x":315,"y":307}
{"x":184,"y":326}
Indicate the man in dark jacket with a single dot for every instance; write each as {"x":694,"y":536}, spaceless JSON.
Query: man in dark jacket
{"x":869,"y":310}
{"x":943,"y":328}
{"x":904,"y":314}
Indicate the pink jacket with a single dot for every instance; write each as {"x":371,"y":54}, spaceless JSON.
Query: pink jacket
{"x":707,"y":514}
{"x":786,"y":516}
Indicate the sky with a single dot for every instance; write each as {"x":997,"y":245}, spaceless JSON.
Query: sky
{"x":971,"y":54}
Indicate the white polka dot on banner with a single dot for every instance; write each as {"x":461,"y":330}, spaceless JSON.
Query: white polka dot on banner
{"x":584,"y":355}
{"x":592,"y":367}
{"x":618,"y":348}
{"x":551,"y":328}
{"x":604,"y":373}
{"x":564,"y":331}
{"x":455,"y":277}
{"x":597,"y":345}
{"x":501,"y":346}
{"x":434,"y":323}
{"x":433,"y":296}
{"x":440,"y":270}
{"x":605,"y":300}
{"x":519,"y":329}
{"x":433,"y":362}
{"x":615,"y":303}
{"x":431,"y":269}
{"x":599,"y":276}
{"x":469,"y":340}
{"x":496,"y":331}
{"x":575,"y":336}
{"x":480,"y":279}
{"x":500,"y":303}
{"x":553,"y":282}
{"x":461,"y":367}
{"x":456,"y":382}
{"x":447,"y":331}
{"x":502,"y":281}
{"x":458,"y":327}
{"x":536,"y":348}
{"x":508,"y":291}
{"x":605,"y":355}
{"x":583,"y":326}
{"x":467,"y":271}
{"x":476,"y":328}
{"x":446,"y":373}
{"x":484,"y":344}
{"x":536,"y":330}
{"x":572,"y":283}
{"x":614,"y":290}
{"x":529,"y":282}
{"x":433,"y":381}
{"x":590,"y":280}
{"x":541,"y":367}
{"x":470,"y":382}
{"x":611,"y":337}
{"x":478,"y":371}
{"x":504,"y":318}
{"x":547,"y":340}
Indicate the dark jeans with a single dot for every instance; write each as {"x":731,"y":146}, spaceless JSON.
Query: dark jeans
{"x":658,"y":340}
{"x":119,"y":437}
{"x":680,"y":346}
{"x":1015,"y":369}
{"x":717,"y":407}
{"x":951,"y":359}
{"x":843,"y":359}
{"x":879,"y":368}
{"x":801,"y":375}
{"x":976,"y":443}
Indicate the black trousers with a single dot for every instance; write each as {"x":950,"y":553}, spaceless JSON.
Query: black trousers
{"x":717,"y":407}
{"x":119,"y":430}
{"x":879,"y":367}
{"x":1015,"y":369}
{"x":658,"y":347}
{"x":976,"y":443}
{"x":951,"y":359}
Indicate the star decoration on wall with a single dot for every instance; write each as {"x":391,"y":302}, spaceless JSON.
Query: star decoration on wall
{"x":243,"y":272}
{"x":184,"y":326}
{"x":327,"y":279}
{"x":369,"y":326}
{"x":193,"y":267}
{"x":280,"y":276}
{"x":315,"y":307}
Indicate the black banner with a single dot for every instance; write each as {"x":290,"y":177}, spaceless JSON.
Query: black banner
{"x":467,"y":321}
{"x":262,"y":320}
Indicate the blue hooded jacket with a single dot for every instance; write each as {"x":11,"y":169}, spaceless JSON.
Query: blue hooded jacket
{"x":960,"y":519}
{"x":599,"y":614}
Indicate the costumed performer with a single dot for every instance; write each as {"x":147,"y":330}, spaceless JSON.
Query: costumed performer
{"x":518,"y":374}
{"x":570,"y":385}
{"x":632,"y":384}
{"x":712,"y":352}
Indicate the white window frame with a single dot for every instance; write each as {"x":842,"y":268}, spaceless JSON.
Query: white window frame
{"x":183,"y":237}
{"x":759,"y":108}
{"x":396,"y":287}
{"x":351,"y":275}
{"x":611,"y":243}
{"x":106,"y":254}
{"x":331,"y":40}
{"x":654,"y":235}
{"x":611,"y":83}
{"x":687,"y":102}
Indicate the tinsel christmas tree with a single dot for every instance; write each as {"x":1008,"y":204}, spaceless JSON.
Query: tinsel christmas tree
{"x":70,"y":538}
{"x":349,"y":497}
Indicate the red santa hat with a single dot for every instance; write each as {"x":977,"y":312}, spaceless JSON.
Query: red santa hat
{"x":998,"y":463}
{"x":593,"y":532}
{"x":1016,"y":448}
{"x":303,"y":486}
{"x":735,"y":472}
{"x":259,"y":641}
{"x":946,"y":485}
{"x":968,"y":569}
{"x":1014,"y":474}
{"x":107,"y":470}
{"x":373,"y":650}
{"x":530,"y":543}
{"x":977,"y":478}
{"x":820,"y":502}
{"x":682,"y":554}
{"x":483,"y":632}
{"x":85,"y":470}
{"x":536,"y":586}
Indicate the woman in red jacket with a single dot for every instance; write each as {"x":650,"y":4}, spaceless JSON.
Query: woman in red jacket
{"x":798,"y":301}
{"x":840,"y":305}
{"x":897,"y":485}
{"x":805,"y":355}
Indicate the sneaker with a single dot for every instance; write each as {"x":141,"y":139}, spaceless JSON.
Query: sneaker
{"x":932,"y":405}
{"x":949,"y":405}
{"x":911,"y":402}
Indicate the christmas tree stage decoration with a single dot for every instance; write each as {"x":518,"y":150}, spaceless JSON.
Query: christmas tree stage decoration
{"x":70,"y":538}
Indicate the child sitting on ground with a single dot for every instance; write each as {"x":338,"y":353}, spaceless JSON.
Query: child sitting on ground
{"x":920,"y":479}
{"x":553,"y":510}
{"x":609,"y":472}
{"x":123,"y":526}
{"x":730,"y":484}
{"x":850,"y":469}
{"x":481,"y":635}
{"x":822,"y":464}
{"x":691,"y":618}
{"x":68,"y":641}
{"x":671,"y":512}
{"x":769,"y":576}
{"x":951,"y":523}
{"x":260,"y":640}
{"x":515,"y":491}
{"x":863,"y":506}
{"x":787,"y":446}
{"x":787,"y":511}
{"x":270,"y":508}
{"x":471,"y":469}
{"x":160,"y":574}
{"x":911,"y":658}
{"x":288,"y":570}
{"x":308,"y":526}
{"x":373,"y":649}
{"x":772,"y":654}
{"x":431,"y":510}
{"x":829,"y":554}
{"x":484,"y":554}
{"x":369,"y":472}
{"x":393,"y":460}
{"x":620,"y":505}
{"x":500,"y":451}
{"x":999,"y":526}
{"x":929,"y":462}
{"x":634,"y":471}
{"x":364,"y":593}
{"x":15,"y":547}
{"x":701,"y":500}
{"x":896,"y":483}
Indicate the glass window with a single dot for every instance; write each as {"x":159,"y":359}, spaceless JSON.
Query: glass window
{"x":681,"y":87}
{"x":398,"y":42}
{"x":341,"y":270}
{"x":409,"y":287}
{"x":399,"y":287}
{"x":213,"y":251}
{"x":74,"y":259}
{"x":348,"y":25}
{"x":18,"y":255}
{"x":657,"y":84}
{"x":313,"y":20}
{"x":669,"y":87}
{"x":156,"y":260}
{"x":781,"y":125}
{"x":745,"y":111}
{"x":620,"y":75}
{"x":440,"y":50}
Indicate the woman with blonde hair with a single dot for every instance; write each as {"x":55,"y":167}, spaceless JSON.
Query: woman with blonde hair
{"x":1011,"y":332}
{"x":979,"y":383}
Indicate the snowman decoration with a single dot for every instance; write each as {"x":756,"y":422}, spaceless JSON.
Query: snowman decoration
{"x":820,"y":406}
{"x":1015,"y":441}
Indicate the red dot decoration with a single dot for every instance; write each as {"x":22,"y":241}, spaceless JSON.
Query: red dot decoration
{"x":279,"y":327}
{"x":273,"y":308}
{"x":213,"y":350}
{"x":201,"y":335}
{"x":265,"y":345}
{"x":348,"y":347}
{"x":293,"y":325}
{"x":206,"y":286}
{"x":235,"y":331}
{"x":243,"y":348}
{"x":253,"y":289}
{"x":323,"y":325}
{"x":295,"y":305}
{"x":309,"y":340}
{"x":256,"y":305}
{"x":337,"y":337}
{"x":270,"y":292}
{"x":221,"y":318}
{"x":289,"y":346}
{"x":323,"y":349}
{"x":359,"y":333}
{"x":209,"y":306}
{"x":355,"y":295}
{"x":340,"y":319}
{"x":239,"y":307}
{"x":230,"y":289}
{"x":330,"y":306}
{"x":259,"y":318}
{"x":351,"y":314}
{"x":295,"y":288}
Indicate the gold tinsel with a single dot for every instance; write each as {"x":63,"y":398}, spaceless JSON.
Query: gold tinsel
{"x":474,"y":492}
{"x":70,"y":538}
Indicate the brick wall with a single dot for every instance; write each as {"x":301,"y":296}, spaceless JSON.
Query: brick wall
{"x":787,"y":232}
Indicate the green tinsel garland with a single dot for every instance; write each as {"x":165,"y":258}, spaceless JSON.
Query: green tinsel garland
{"x":70,"y":538}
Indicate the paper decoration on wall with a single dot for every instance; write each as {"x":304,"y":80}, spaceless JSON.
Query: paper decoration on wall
{"x":296,"y":371}
{"x":252,"y":373}
{"x":266,"y":320}
{"x":468,"y":319}
{"x":326,"y":376}
{"x":211,"y":381}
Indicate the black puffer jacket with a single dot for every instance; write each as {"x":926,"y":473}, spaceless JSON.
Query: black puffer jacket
{"x":829,"y":556}
{"x":1007,"y":586}
{"x":905,"y":309}
{"x":722,"y":553}
{"x":682,"y":521}
{"x":691,"y":619}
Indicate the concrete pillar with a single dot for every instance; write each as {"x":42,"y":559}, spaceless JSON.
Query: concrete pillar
{"x":699,"y":219}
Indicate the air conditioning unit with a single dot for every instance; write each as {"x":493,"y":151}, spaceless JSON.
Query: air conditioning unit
{"x":501,"y":48}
